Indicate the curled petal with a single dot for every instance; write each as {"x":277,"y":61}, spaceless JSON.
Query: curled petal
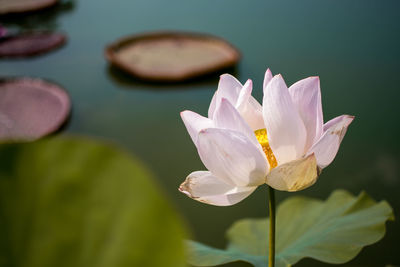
{"x":227,"y":117}
{"x":232,"y":157}
{"x":195,"y":123}
{"x":229,"y":88}
{"x":334,"y":121}
{"x":306,"y":96}
{"x":285,"y":128}
{"x":295,"y":175}
{"x":203,"y":186}
{"x":326,"y":148}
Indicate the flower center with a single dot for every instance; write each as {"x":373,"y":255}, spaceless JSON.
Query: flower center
{"x":261,"y":135}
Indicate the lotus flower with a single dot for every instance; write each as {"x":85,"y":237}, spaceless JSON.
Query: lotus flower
{"x":283,"y":143}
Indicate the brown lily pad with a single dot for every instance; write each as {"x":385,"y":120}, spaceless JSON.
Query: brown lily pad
{"x":31,"y":108}
{"x":30,"y":44}
{"x":171,"y":56}
{"x":20,"y":6}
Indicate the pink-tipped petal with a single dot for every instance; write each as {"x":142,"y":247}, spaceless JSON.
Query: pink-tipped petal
{"x":195,"y":123}
{"x":334,"y":121}
{"x":203,"y":186}
{"x":229,"y":88}
{"x":232,"y":157}
{"x":306,"y":96}
{"x":295,"y":175}
{"x":267,"y":78}
{"x":285,"y":128}
{"x":227,"y":117}
{"x":326,"y":148}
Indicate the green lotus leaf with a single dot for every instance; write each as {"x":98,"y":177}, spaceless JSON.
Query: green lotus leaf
{"x":79,"y":203}
{"x":332,"y":231}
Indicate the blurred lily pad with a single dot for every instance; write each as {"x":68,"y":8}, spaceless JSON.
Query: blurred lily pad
{"x":74,"y":202}
{"x":31,"y":108}
{"x":20,"y":6}
{"x":30,"y":44}
{"x":332,"y":231}
{"x":171,"y":56}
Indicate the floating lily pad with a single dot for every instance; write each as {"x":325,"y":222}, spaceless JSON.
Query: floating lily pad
{"x":31,"y":108}
{"x":332,"y":231}
{"x":20,"y":6}
{"x":3,"y":32}
{"x":29,"y":44}
{"x":171,"y":56}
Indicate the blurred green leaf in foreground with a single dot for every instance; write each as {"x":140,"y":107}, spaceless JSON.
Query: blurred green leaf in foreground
{"x":332,"y":231}
{"x":74,"y":202}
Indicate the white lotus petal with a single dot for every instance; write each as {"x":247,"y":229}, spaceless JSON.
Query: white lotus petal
{"x":267,"y":78}
{"x":326,"y":148}
{"x":295,"y":175}
{"x":203,"y":186}
{"x":195,"y":123}
{"x":227,"y":117}
{"x":244,"y":94}
{"x":232,"y":157}
{"x":228,"y":87}
{"x":306,"y":96}
{"x":213,"y":105}
{"x":252,"y":114}
{"x":285,"y":128}
{"x":332,"y":122}
{"x":249,"y":108}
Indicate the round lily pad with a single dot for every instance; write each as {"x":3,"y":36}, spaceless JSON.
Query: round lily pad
{"x":19,"y":6}
{"x":31,"y":108}
{"x":171,"y":56}
{"x":29,"y":44}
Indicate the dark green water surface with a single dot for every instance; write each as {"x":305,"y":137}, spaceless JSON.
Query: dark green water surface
{"x":352,"y":45}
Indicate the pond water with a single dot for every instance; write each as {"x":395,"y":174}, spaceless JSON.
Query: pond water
{"x":352,"y":45}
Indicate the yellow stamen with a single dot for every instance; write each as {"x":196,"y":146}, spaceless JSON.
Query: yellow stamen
{"x":262,"y":138}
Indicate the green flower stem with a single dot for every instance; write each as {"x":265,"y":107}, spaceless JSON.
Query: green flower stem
{"x":271,"y":204}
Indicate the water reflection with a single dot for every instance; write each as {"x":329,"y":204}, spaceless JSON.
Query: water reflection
{"x":386,"y":166}
{"x":127,"y":81}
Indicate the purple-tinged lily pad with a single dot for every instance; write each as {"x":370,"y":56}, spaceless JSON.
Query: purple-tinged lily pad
{"x":29,"y":44}
{"x":3,"y":31}
{"x":31,"y":108}
{"x":20,"y":6}
{"x":171,"y":56}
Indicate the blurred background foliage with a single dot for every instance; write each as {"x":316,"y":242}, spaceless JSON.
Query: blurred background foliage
{"x":77,"y":202}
